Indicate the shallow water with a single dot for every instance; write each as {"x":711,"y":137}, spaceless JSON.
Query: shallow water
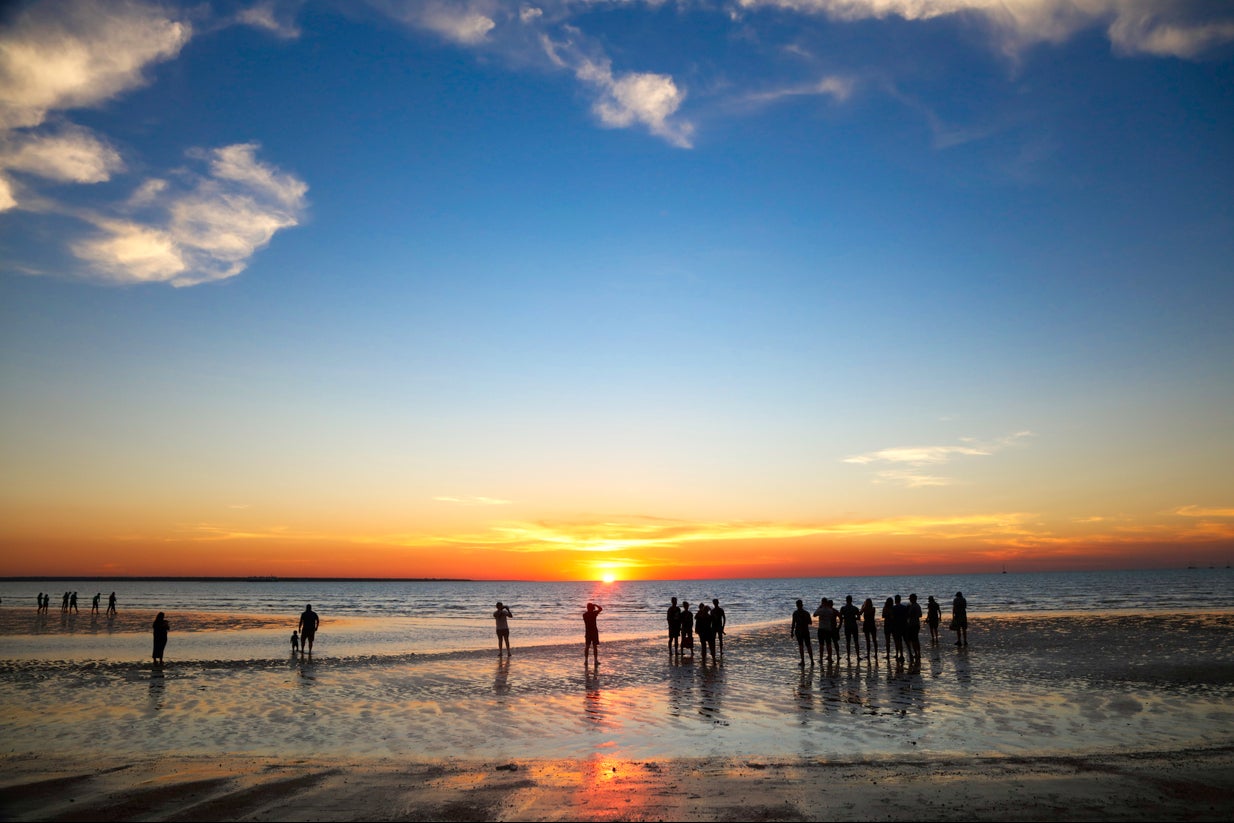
{"x":1025,"y":685}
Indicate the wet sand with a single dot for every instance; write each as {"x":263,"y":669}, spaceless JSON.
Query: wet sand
{"x":1059,"y":716}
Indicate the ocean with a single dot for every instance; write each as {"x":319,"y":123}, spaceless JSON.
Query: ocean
{"x":367,"y":618}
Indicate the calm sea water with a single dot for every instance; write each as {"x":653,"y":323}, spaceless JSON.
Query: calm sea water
{"x":388,"y":617}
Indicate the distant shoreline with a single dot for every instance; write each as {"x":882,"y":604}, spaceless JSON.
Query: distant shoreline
{"x":248,"y":579}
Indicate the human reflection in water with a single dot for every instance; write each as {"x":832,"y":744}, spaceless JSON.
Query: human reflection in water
{"x":593,"y":698}
{"x":501,"y":679}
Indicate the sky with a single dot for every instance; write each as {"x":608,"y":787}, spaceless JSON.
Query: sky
{"x":615,"y":288}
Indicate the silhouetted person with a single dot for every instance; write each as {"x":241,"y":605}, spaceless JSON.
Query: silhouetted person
{"x":889,"y":625}
{"x":934,"y":615}
{"x":503,"y":628}
{"x":899,"y":625}
{"x":73,"y":603}
{"x":687,"y":628}
{"x":309,"y":621}
{"x":673,"y":615}
{"x":849,"y":616}
{"x":718,"y":620}
{"x":111,"y":605}
{"x":295,"y":641}
{"x":869,"y":627}
{"x":826,"y":620}
{"x":94,"y":604}
{"x":704,"y":625}
{"x":912,"y":632}
{"x":592,"y":632}
{"x":39,"y":609}
{"x":161,"y":628}
{"x":800,"y":631}
{"x":959,"y":619}
{"x":64,"y":603}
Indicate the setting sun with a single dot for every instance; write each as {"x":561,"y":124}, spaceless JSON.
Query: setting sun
{"x":608,"y":577}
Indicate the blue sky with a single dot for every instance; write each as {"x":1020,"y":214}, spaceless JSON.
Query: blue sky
{"x":376,"y":278}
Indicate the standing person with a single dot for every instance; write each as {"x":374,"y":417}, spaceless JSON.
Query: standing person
{"x":295,"y":641}
{"x":849,"y":615}
{"x":39,"y":610}
{"x":912,"y":634}
{"x":889,"y":625}
{"x":704,"y":624}
{"x":934,"y":615}
{"x":111,"y":605}
{"x":64,"y":604}
{"x":899,"y":625}
{"x":503,"y":628}
{"x":687,"y":628}
{"x":592,"y":632}
{"x":869,"y":627}
{"x":800,"y":631}
{"x":959,"y":619}
{"x":161,"y":627}
{"x":674,"y":627}
{"x":309,"y":621}
{"x":73,"y":603}
{"x":718,"y":621}
{"x":826,"y":620}
{"x":94,"y":604}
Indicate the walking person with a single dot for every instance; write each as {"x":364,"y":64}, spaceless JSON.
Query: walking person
{"x":934,"y":616}
{"x":94,"y":604}
{"x":111,"y":605}
{"x":959,"y":619}
{"x":800,"y":631}
{"x":309,"y":621}
{"x":591,"y":633}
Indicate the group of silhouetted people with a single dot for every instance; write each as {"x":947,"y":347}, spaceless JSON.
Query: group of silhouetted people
{"x":68,"y":603}
{"x":708,"y":623}
{"x":901,"y":627}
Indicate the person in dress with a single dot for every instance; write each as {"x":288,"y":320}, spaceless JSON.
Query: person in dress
{"x":160,"y":627}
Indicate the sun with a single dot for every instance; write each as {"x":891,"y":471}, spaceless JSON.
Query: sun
{"x":608,"y":577}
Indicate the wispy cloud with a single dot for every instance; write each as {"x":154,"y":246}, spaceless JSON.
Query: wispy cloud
{"x":474,"y":501}
{"x":1173,"y":28}
{"x":916,"y":457}
{"x":1202,"y":511}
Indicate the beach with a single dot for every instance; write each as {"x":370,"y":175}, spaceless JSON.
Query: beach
{"x":1068,"y":716}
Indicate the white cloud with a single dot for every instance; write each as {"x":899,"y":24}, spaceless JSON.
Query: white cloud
{"x":56,"y":56}
{"x":278,"y":18}
{"x":1161,"y":27}
{"x":203,"y":232}
{"x":834,"y":86}
{"x":73,"y":155}
{"x":624,"y":100}
{"x":474,"y":501}
{"x":7,"y":198}
{"x":916,"y":457}
{"x":467,"y":23}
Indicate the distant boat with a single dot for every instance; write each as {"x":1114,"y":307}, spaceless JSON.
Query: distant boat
{"x":1004,"y":568}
